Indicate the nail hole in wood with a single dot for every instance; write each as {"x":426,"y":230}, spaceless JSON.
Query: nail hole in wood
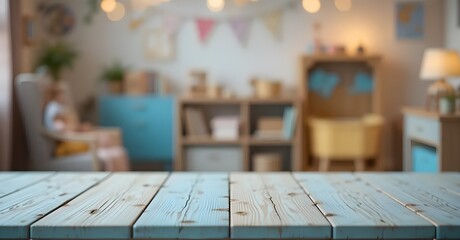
{"x":221,"y":209}
{"x":187,"y":221}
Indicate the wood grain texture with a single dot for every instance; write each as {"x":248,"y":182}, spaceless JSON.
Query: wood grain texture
{"x":357,"y":210}
{"x":7,"y":175}
{"x":188,"y":206}
{"x":424,"y":195}
{"x":13,"y":182}
{"x":273,"y":205}
{"x":108,"y":210}
{"x":446,"y":181}
{"x":20,"y":209}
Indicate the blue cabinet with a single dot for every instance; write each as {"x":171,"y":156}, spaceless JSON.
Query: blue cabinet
{"x":431,"y":141}
{"x":147,"y":124}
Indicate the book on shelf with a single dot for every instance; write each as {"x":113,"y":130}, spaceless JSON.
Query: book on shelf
{"x":289,"y":120}
{"x":272,"y":128}
{"x":195,"y":124}
{"x":270,"y":123}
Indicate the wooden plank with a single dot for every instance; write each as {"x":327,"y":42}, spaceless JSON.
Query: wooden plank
{"x":107,"y":210}
{"x":357,"y":210}
{"x":433,"y":202}
{"x":273,"y":205}
{"x":6,"y":175}
{"x":19,"y":181}
{"x":189,"y":205}
{"x":20,"y":209}
{"x":446,"y":181}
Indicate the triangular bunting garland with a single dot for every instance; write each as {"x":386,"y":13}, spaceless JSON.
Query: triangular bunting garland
{"x":205,"y":27}
{"x":171,"y":24}
{"x":273,"y":22}
{"x":240,"y":3}
{"x":240,"y":27}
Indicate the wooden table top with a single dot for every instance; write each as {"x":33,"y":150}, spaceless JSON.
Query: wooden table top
{"x":156,"y":205}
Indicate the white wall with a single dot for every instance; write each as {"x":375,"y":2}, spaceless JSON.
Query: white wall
{"x":369,"y":21}
{"x":452,"y":26}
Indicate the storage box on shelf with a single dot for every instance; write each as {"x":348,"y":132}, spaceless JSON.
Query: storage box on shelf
{"x":239,"y":117}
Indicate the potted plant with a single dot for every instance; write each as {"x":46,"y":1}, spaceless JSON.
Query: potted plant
{"x":114,"y":76}
{"x":447,"y":103}
{"x":55,"y":58}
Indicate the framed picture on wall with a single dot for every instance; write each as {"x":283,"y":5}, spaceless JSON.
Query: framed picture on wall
{"x":29,"y":30}
{"x":410,"y":19}
{"x":158,"y":45}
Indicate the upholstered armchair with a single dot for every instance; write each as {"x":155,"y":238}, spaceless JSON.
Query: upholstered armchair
{"x":41,"y":142}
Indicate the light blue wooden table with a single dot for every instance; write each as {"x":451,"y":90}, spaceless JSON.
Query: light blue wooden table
{"x":148,"y":205}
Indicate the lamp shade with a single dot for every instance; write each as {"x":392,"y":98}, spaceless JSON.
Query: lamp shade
{"x":439,"y":64}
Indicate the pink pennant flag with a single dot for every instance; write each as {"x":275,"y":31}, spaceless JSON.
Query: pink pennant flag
{"x":205,"y":27}
{"x":171,"y":24}
{"x":240,"y":27}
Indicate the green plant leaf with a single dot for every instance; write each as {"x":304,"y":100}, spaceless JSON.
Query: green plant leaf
{"x":57,"y":57}
{"x":114,"y":73}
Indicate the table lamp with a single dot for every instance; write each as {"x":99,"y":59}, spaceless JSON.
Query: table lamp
{"x":439,"y":64}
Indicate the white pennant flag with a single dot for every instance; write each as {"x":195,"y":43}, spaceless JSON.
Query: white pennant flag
{"x":171,"y":23}
{"x":273,"y":23}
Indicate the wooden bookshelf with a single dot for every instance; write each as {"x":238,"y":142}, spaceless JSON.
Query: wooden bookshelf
{"x":248,"y":110}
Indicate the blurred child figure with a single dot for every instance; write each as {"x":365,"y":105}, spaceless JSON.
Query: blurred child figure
{"x":60,"y":117}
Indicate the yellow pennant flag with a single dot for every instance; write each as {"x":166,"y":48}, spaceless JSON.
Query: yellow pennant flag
{"x":273,"y":23}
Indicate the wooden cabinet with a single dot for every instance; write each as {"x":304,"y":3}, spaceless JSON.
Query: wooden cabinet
{"x":146,"y":123}
{"x":431,"y":141}
{"x":336,"y":98}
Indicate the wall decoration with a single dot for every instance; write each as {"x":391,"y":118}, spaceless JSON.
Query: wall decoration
{"x":241,"y":27}
{"x":59,"y":19}
{"x":158,"y":45}
{"x":410,"y":19}
{"x":323,"y":83}
{"x":205,"y":27}
{"x":136,"y":23}
{"x":171,"y":23}
{"x":362,"y":83}
{"x":273,"y":22}
{"x":93,"y":9}
{"x":241,"y":3}
{"x":174,"y":13}
{"x":29,"y":30}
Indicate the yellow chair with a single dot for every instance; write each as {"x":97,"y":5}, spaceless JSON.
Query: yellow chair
{"x":345,"y":139}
